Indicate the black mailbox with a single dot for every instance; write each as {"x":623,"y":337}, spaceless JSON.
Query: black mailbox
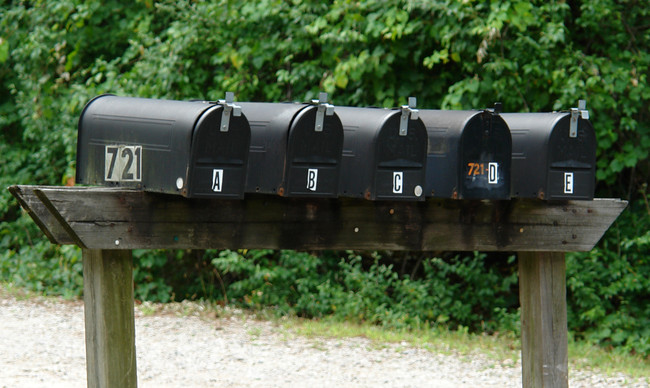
{"x":553,"y":154}
{"x":384,"y":153}
{"x":469,"y":154}
{"x":295,"y":148}
{"x":195,"y":149}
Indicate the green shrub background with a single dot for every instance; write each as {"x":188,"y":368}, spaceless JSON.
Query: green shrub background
{"x":532,"y":56}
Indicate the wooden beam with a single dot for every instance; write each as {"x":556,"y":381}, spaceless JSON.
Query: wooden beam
{"x":106,"y":218}
{"x":109,"y":318}
{"x":49,"y":225}
{"x":544,"y":339}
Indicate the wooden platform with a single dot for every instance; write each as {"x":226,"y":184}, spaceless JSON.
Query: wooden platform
{"x":104,"y":218}
{"x":108,"y":223}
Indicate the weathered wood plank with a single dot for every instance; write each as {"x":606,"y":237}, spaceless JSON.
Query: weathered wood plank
{"x":41,"y":215}
{"x":109,"y":318}
{"x":542,"y":294}
{"x":106,"y":218}
{"x":57,"y":216}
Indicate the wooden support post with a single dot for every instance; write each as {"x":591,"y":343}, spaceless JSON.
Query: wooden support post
{"x":110,"y":324}
{"x":544,"y":340}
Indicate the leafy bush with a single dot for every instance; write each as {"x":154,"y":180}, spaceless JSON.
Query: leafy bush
{"x":532,"y":56}
{"x":608,"y":287}
{"x":36,"y":264}
{"x":457,"y":291}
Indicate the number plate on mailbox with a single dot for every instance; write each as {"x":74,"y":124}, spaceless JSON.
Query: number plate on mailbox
{"x":123,"y":163}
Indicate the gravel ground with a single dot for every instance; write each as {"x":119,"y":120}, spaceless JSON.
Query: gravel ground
{"x":42,"y":345}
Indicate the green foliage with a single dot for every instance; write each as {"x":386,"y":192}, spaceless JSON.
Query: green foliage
{"x":458,"y":291}
{"x":36,"y":264}
{"x":608,"y":287}
{"x":148,"y":276}
{"x":532,"y":56}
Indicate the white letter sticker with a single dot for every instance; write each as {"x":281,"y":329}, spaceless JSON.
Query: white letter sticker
{"x":217,"y":180}
{"x":568,"y":183}
{"x":493,"y":173}
{"x":398,"y":178}
{"x":312,"y":179}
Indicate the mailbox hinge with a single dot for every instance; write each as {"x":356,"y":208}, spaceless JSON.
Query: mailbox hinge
{"x":576,"y":113}
{"x":324,"y":109}
{"x":228,"y":108}
{"x":408,"y":110}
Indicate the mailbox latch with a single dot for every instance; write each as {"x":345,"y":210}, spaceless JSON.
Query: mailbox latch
{"x":408,"y":110}
{"x":498,"y":108}
{"x":228,"y":108}
{"x":324,"y":109}
{"x":576,"y":113}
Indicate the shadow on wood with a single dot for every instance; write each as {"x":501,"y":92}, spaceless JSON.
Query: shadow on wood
{"x":105,"y":218}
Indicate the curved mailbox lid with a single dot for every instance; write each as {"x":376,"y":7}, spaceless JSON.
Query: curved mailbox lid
{"x":469,"y":154}
{"x":378,"y":162}
{"x":549,"y":163}
{"x":269,"y":137}
{"x":288,"y":156}
{"x":219,"y":159}
{"x":314,"y":154}
{"x":159,"y":127}
{"x":144,"y":143}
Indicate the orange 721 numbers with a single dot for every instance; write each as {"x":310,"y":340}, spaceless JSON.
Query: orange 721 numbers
{"x":476,"y":168}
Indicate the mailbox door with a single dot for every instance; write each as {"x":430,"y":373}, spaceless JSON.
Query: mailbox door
{"x":219,"y":157}
{"x":314,"y":157}
{"x":400,"y":160}
{"x":530,"y":133}
{"x":571,"y":161}
{"x":270,"y":123}
{"x":485,"y":150}
{"x":360,"y":126}
{"x":444,"y":129}
{"x":136,"y":142}
{"x":548,"y":163}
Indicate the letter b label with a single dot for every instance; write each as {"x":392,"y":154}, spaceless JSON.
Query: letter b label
{"x":312,"y":179}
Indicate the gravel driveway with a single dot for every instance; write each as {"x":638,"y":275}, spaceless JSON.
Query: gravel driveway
{"x":42,"y":345}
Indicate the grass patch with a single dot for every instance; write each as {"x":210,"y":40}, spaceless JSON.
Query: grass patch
{"x":440,"y":340}
{"x":586,"y":356}
{"x":21,"y":293}
{"x":504,"y":347}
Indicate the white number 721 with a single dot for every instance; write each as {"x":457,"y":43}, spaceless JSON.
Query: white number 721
{"x":123,"y":163}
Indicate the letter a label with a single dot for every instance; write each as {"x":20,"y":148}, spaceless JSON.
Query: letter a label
{"x":312,"y":179}
{"x":217,"y":180}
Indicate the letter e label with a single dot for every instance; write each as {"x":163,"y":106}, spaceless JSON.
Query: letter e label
{"x":568,"y":183}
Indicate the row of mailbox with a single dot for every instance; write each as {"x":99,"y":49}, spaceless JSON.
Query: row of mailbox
{"x":225,"y":149}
